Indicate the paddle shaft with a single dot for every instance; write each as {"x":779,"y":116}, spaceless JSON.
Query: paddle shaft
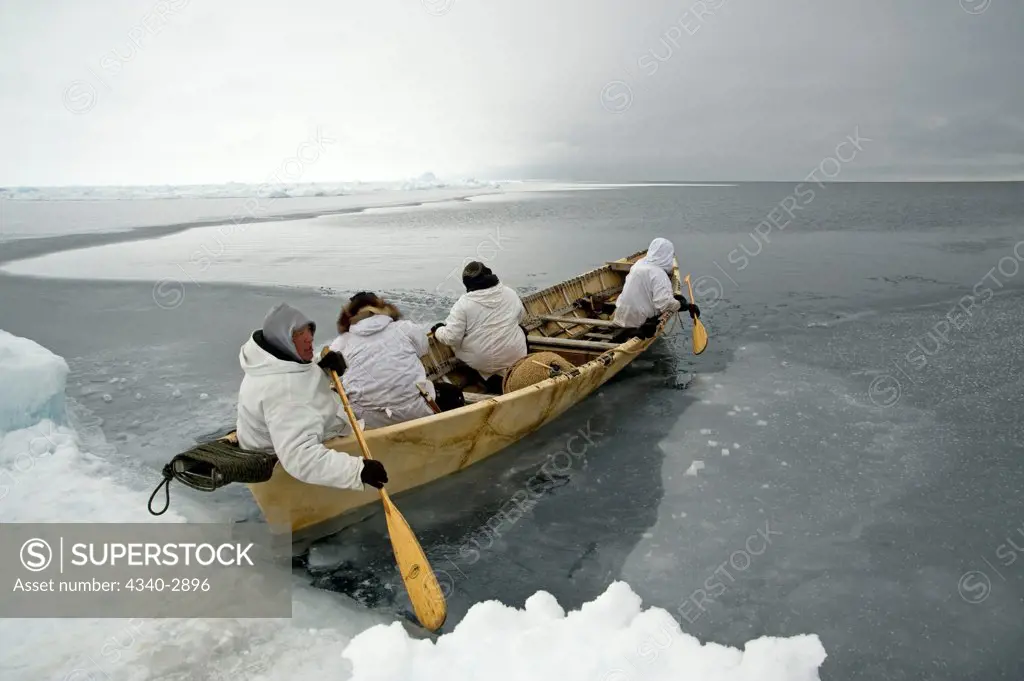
{"x":421,"y":583}
{"x":690,"y":289}
{"x":351,"y":415}
{"x":700,"y":334}
{"x":430,"y":403}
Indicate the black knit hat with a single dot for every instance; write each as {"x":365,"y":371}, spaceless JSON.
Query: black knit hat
{"x":477,"y":276}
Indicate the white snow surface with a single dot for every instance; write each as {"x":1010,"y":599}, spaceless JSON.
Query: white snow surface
{"x":51,"y":472}
{"x":608,"y":639}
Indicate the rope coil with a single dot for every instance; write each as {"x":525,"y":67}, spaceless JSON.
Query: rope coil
{"x":533,"y":368}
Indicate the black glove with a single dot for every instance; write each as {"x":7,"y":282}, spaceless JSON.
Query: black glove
{"x":334,"y":361}
{"x":682,"y":301}
{"x":373,"y":473}
{"x":694,"y":311}
{"x":435,"y":327}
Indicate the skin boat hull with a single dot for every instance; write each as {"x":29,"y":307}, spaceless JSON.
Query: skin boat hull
{"x":418,"y":452}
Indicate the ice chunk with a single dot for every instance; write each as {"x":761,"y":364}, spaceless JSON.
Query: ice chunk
{"x":761,"y":422}
{"x":694,"y":467}
{"x":32,"y":382}
{"x":725,"y":452}
{"x":599,"y":641}
{"x":705,"y":431}
{"x":330,"y":556}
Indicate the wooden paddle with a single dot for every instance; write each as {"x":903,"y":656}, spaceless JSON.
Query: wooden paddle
{"x":700,"y":335}
{"x":428,"y":600}
{"x":426,"y":398}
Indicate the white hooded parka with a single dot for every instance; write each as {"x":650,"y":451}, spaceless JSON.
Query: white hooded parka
{"x":483,"y":329}
{"x":288,"y":407}
{"x":647,"y":291}
{"x":383,"y":368}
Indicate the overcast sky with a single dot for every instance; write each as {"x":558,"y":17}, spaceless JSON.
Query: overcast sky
{"x":197,"y":91}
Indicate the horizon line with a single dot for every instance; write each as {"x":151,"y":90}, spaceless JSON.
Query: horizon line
{"x":517,"y":180}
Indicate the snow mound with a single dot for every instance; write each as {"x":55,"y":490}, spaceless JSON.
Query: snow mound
{"x":32,"y":381}
{"x":608,"y":639}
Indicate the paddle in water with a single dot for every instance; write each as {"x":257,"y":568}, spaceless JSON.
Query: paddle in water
{"x":700,"y":335}
{"x":421,"y":583}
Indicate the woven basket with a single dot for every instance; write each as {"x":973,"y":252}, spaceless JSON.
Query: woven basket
{"x":534,"y":368}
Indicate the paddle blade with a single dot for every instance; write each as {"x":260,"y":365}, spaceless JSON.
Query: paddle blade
{"x":424,"y":591}
{"x":700,"y":337}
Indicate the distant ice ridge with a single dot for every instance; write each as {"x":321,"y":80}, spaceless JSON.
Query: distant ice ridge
{"x":236,"y":190}
{"x":46,"y":475}
{"x":608,"y":639}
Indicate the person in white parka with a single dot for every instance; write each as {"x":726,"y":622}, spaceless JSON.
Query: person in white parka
{"x":647,"y":291}
{"x":382,"y":354}
{"x":483,"y":327}
{"x":286,"y":405}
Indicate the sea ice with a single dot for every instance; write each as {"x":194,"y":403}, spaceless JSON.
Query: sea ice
{"x":328,"y":556}
{"x":694,"y":467}
{"x":32,"y":382}
{"x":239,"y":190}
{"x":608,"y":639}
